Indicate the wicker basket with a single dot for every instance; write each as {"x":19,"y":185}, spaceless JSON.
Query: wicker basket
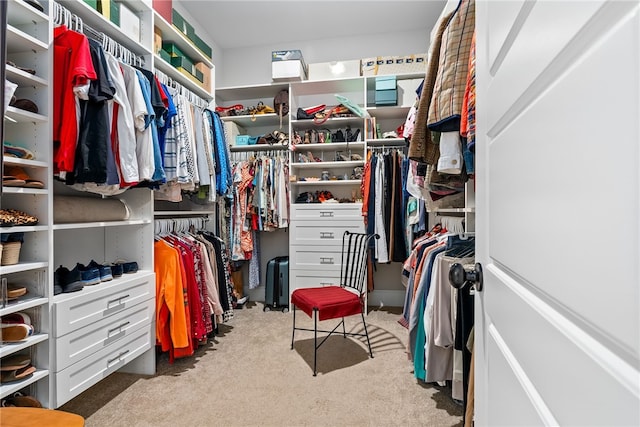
{"x":10,"y":253}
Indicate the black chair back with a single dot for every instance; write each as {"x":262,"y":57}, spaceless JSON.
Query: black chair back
{"x":354,"y":260}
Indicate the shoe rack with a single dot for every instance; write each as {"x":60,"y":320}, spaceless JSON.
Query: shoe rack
{"x":28,"y":37}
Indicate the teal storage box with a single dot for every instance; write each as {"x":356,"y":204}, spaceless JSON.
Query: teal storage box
{"x":242,"y":139}
{"x":172,"y":49}
{"x":386,"y":83}
{"x":387,"y":97}
{"x":164,"y":55}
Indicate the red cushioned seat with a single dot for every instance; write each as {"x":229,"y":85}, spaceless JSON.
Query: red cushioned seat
{"x":333,"y":302}
{"x":330,"y":301}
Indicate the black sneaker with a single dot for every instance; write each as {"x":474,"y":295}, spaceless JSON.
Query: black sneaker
{"x":104,"y":271}
{"x":116,"y":270}
{"x":128,"y":267}
{"x":89,"y":276}
{"x":57,"y":287}
{"x":70,"y":281}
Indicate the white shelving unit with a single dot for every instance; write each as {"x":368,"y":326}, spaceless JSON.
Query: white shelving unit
{"x":28,"y":37}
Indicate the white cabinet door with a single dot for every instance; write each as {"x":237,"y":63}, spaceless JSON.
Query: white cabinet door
{"x":557,"y":322}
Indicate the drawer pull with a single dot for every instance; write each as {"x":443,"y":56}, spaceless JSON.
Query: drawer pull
{"x":326,"y":214}
{"x":117,"y":357}
{"x":324,"y":260}
{"x":118,"y":300}
{"x":117,"y":328}
{"x":326,"y":234}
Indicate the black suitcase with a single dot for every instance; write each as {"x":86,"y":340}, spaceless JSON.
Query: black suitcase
{"x":277,"y":287}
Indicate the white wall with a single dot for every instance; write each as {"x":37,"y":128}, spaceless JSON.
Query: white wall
{"x":252,"y":65}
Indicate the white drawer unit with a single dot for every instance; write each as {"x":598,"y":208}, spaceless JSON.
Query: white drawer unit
{"x":77,"y":345}
{"x":80,"y":376}
{"x":314,"y":278}
{"x":326,"y":211}
{"x":322,"y":232}
{"x":316,"y":257}
{"x":93,"y":303}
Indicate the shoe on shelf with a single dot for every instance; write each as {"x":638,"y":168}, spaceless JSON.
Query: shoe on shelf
{"x":116,"y":270}
{"x":69,"y":280}
{"x":89,"y":275}
{"x":16,"y":318}
{"x":128,"y":267}
{"x":103,"y":270}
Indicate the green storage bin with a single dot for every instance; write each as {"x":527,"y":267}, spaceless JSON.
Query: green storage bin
{"x":200,"y":44}
{"x":172,"y":49}
{"x":115,"y":13}
{"x":184,"y":62}
{"x":164,"y":55}
{"x":92,"y":3}
{"x":198,"y":75}
{"x":181,"y":24}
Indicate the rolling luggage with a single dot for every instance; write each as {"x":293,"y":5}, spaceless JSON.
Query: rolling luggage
{"x":277,"y":287}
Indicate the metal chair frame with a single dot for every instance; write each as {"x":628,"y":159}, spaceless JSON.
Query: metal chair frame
{"x":352,"y":275}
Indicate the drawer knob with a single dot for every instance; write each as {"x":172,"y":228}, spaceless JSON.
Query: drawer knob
{"x":324,"y":260}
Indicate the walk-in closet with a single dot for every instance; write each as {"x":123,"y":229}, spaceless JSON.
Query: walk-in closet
{"x":276,"y":213}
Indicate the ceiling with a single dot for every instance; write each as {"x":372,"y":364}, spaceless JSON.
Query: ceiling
{"x":242,"y":23}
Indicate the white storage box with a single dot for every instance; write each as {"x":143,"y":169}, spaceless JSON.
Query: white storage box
{"x":334,"y":70}
{"x":288,"y":70}
{"x":407,"y":91}
{"x":129,"y":22}
{"x":231,"y":130}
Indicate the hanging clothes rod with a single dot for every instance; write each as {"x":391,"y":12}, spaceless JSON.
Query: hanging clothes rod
{"x":62,"y":16}
{"x":192,"y":97}
{"x":176,"y":225}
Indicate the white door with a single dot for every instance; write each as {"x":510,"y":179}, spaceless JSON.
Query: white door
{"x":558,"y":208}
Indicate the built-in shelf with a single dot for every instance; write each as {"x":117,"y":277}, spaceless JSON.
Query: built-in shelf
{"x":12,"y":387}
{"x":184,"y":213}
{"x":335,"y":86}
{"x":24,"y":116}
{"x":388,"y":112}
{"x":171,"y":34}
{"x":333,"y":122}
{"x":19,"y":41}
{"x":184,"y":80}
{"x":387,"y":142}
{"x":271,"y":119}
{"x":265,"y":92}
{"x":324,"y":183}
{"x":23,"y":228}
{"x":258,"y":147}
{"x":22,"y":13}
{"x":24,"y":190}
{"x":22,"y":266}
{"x":452,"y":210}
{"x":13,"y":347}
{"x":8,"y":160}
{"x":23,"y":303}
{"x":328,"y":165}
{"x":97,"y":224}
{"x":331,"y":146}
{"x":22,"y":78}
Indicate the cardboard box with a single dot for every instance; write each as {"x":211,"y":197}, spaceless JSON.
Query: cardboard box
{"x":164,"y":8}
{"x":207,"y":82}
{"x":288,"y":70}
{"x":404,"y":64}
{"x":157,"y":40}
{"x":334,"y":70}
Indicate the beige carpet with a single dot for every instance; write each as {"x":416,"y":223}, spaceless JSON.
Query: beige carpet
{"x":249,"y":376}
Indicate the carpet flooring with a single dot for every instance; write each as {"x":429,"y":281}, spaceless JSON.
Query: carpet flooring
{"x":248,"y":375}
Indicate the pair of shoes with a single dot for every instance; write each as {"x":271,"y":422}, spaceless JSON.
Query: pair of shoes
{"x":68,"y":280}
{"x":128,"y":267}
{"x":17,"y":374}
{"x":104,"y":271}
{"x":15,"y":327}
{"x":15,"y":176}
{"x":20,"y":400}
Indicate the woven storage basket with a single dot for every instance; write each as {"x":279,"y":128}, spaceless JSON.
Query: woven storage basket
{"x":10,"y":253}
